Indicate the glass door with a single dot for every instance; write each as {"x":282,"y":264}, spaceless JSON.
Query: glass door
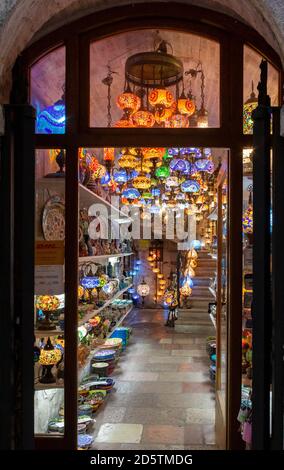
{"x":222,"y":317}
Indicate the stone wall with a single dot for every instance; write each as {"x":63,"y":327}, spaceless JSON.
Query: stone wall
{"x":22,"y":21}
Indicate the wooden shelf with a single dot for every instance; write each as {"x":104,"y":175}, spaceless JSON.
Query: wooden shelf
{"x":93,"y":313}
{"x":40,"y":386}
{"x":86,"y":259}
{"x":46,"y":333}
{"x":82,"y":369}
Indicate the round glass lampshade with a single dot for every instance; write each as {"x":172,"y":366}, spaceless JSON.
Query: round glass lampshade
{"x":131,"y":193}
{"x":186,"y":106}
{"x":47,"y":303}
{"x":177,"y":121}
{"x":128,"y":102}
{"x":190,"y":186}
{"x":141,"y":182}
{"x":49,"y":355}
{"x":143,"y":289}
{"x":162,"y":172}
{"x":90,"y":282}
{"x":143,"y":118}
{"x":161,"y":96}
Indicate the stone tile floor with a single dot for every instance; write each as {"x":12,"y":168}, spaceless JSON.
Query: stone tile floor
{"x":163,"y":398}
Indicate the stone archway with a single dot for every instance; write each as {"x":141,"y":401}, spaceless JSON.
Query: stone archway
{"x":23,"y":21}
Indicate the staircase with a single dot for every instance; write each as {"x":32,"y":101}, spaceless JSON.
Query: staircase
{"x":196,"y":318}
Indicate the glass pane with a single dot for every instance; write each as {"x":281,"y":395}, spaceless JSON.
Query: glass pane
{"x":165,"y":79}
{"x":252,"y":62}
{"x":47,"y":92}
{"x":224,"y":288}
{"x":49,"y":292}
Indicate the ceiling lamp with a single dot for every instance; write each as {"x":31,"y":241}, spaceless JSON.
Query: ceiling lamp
{"x":120,"y":176}
{"x":190,"y":186}
{"x":128,"y":102}
{"x":161,"y":98}
{"x":153,"y":153}
{"x":141,"y":182}
{"x":179,"y":165}
{"x":52,"y":119}
{"x":127,"y":161}
{"x":109,"y":154}
{"x":143,"y":290}
{"x":172,"y":181}
{"x":156,"y":270}
{"x":143,"y":118}
{"x":185,"y":105}
{"x":162,"y":172}
{"x":131,"y":193}
{"x":177,"y":121}
{"x":202,"y":118}
{"x":249,"y":106}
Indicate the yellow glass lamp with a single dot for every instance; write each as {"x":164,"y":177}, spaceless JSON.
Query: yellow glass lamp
{"x":142,"y":182}
{"x":150,"y":259}
{"x":156,"y":270}
{"x":160,"y":276}
{"x":151,"y":153}
{"x":49,"y":356}
{"x":186,"y":105}
{"x":185,"y":290}
{"x":48,"y":304}
{"x":109,"y":154}
{"x":127,"y":161}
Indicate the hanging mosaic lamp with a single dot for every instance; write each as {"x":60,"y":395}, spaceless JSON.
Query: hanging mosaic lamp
{"x":141,"y":182}
{"x":52,"y":119}
{"x":180,"y":165}
{"x":120,"y":176}
{"x":128,"y":102}
{"x":131,"y":193}
{"x":109,"y":154}
{"x":124,"y":123}
{"x":156,"y":192}
{"x":202,"y":118}
{"x":143,"y":118}
{"x":185,"y":105}
{"x":143,"y":289}
{"x":172,"y":181}
{"x":191,"y":170}
{"x":177,"y":121}
{"x":161,"y":97}
{"x":163,"y":116}
{"x":172,"y":152}
{"x":162,"y":172}
{"x":202,"y":164}
{"x":127,"y":161}
{"x":190,"y":186}
{"x":248,"y":109}
{"x":153,"y":153}
{"x":105,"y":179}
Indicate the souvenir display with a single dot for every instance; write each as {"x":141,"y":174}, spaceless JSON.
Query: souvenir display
{"x":53,"y":219}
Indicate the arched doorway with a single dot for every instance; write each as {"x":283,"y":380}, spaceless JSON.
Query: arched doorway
{"x":77,"y":59}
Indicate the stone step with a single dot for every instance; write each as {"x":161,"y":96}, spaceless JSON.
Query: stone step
{"x":195,"y":317}
{"x":199,"y":272}
{"x":201,"y":281}
{"x":197,"y":303}
{"x":194,"y":321}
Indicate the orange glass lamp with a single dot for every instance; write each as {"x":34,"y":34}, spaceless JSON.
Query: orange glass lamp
{"x":160,"y":276}
{"x":156,"y":270}
{"x":47,"y":304}
{"x":123,"y":122}
{"x":160,"y":98}
{"x":150,"y":153}
{"x":143,"y":118}
{"x":186,"y":105}
{"x":128,"y":102}
{"x":109,"y":154}
{"x":49,"y":357}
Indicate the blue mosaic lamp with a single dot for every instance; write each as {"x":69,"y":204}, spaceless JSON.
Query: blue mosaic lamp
{"x":190,"y":186}
{"x":52,"y":119}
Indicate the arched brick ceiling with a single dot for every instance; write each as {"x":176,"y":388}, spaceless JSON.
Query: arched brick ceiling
{"x":22,"y":21}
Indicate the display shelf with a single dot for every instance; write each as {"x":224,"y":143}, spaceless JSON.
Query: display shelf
{"x":82,"y":369}
{"x":46,"y":333}
{"x":213,"y":319}
{"x":86,"y":259}
{"x":106,"y":304}
{"x":40,"y":386}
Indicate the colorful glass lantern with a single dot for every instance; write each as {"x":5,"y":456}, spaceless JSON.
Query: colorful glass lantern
{"x":161,"y":97}
{"x":128,"y":102}
{"x":147,"y":196}
{"x":127,"y":161}
{"x":120,"y":176}
{"x":163,"y":116}
{"x":143,"y":118}
{"x":156,"y":270}
{"x":190,"y":186}
{"x":109,"y":154}
{"x":52,"y":119}
{"x":177,"y":121}
{"x":150,"y":153}
{"x":180,"y":165}
{"x":162,"y":172}
{"x":248,"y":220}
{"x":105,"y":179}
{"x":141,"y":182}
{"x":202,"y":119}
{"x":156,"y":192}
{"x":185,"y":105}
{"x":248,"y":109}
{"x":143,"y":289}
{"x":90,"y":282}
{"x":172,"y":152}
{"x":47,"y":304}
{"x":160,"y":276}
{"x":49,"y":356}
{"x":185,"y":290}
{"x":99,"y":172}
{"x":172,"y":181}
{"x":131,"y":193}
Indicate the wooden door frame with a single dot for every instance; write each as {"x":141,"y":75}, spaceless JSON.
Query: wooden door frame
{"x":232,"y":35}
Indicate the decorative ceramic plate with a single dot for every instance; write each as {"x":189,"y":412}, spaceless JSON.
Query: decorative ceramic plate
{"x":53,"y":218}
